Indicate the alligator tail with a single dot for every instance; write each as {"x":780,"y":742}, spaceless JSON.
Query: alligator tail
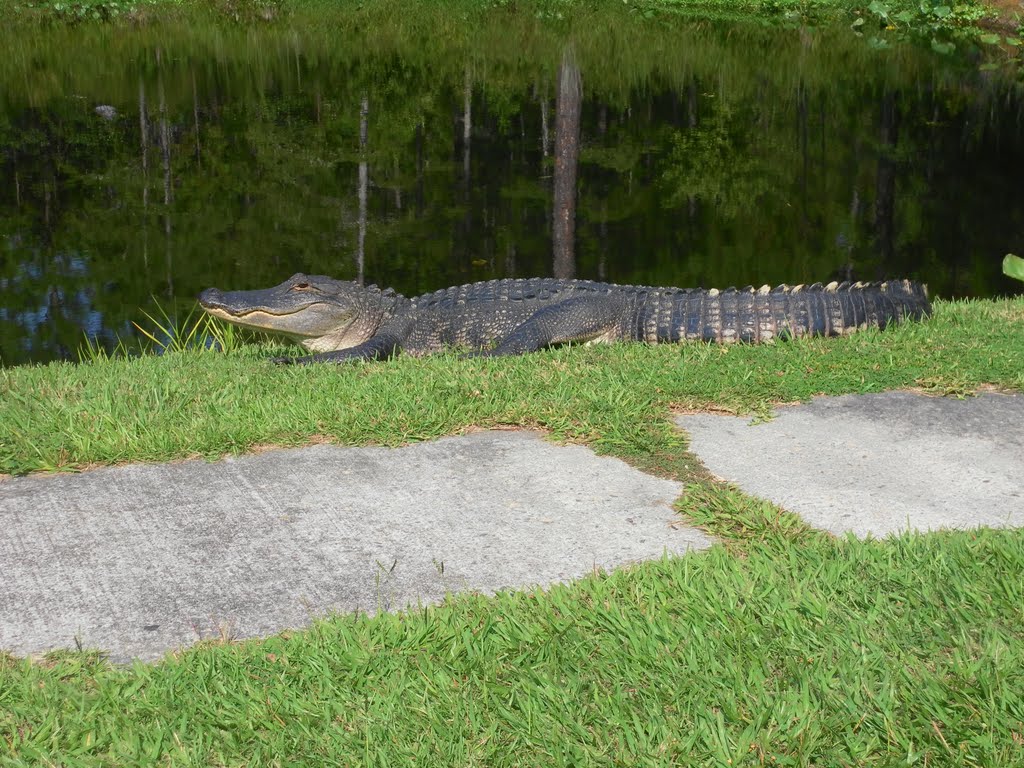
{"x":765,"y":314}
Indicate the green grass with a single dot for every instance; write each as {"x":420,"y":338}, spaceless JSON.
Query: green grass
{"x":904,"y":652}
{"x":780,"y":646}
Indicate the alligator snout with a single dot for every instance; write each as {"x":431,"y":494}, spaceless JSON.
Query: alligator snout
{"x":211,"y":297}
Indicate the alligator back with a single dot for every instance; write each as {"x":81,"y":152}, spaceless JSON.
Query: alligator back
{"x":480,"y":312}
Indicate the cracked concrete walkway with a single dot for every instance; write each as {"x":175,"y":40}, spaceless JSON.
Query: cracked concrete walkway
{"x":141,"y":559}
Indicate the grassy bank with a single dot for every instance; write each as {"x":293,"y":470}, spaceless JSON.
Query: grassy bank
{"x":65,"y":416}
{"x":880,"y":21}
{"x":783,"y":646}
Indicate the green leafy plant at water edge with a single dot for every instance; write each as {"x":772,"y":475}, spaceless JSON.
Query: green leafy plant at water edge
{"x":1013,"y":266}
{"x":942,"y":22}
{"x":991,"y":38}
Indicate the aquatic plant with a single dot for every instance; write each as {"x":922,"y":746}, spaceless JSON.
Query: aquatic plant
{"x":1013,"y":266}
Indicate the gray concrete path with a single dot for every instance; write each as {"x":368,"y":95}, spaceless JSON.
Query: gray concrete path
{"x":877,"y":464}
{"x":141,"y":559}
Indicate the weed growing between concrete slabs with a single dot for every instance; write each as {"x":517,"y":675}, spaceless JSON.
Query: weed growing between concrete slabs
{"x":824,"y":652}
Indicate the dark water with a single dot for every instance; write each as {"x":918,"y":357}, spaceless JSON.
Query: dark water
{"x":137,"y":172}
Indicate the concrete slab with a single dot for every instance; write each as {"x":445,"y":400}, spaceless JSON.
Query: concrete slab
{"x":141,"y":559}
{"x":877,"y":464}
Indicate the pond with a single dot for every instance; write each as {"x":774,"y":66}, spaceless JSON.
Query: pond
{"x":141,"y":166}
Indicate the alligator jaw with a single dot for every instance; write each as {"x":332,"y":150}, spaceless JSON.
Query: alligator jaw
{"x":267,"y":322}
{"x":261,"y":319}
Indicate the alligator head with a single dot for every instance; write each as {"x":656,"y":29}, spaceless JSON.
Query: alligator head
{"x":319,"y":312}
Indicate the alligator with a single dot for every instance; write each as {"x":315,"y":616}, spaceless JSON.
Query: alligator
{"x":339,"y":320}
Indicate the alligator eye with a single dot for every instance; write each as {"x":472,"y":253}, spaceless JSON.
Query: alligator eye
{"x":300,"y":287}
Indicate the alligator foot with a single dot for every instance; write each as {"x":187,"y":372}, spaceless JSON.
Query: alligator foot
{"x":312,"y":359}
{"x":478,"y":353}
{"x":378,"y":348}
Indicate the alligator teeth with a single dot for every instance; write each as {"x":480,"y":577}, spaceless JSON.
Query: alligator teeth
{"x":764,"y":290}
{"x":832,"y":287}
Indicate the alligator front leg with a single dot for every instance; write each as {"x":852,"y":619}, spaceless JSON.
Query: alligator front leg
{"x":386,"y":343}
{"x":580,"y":319}
{"x":377,"y":348}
